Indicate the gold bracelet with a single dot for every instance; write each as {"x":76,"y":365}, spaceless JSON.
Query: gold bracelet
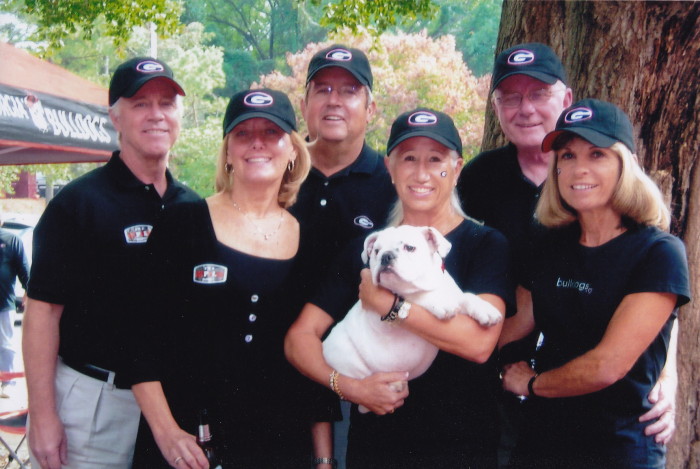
{"x":334,"y":384}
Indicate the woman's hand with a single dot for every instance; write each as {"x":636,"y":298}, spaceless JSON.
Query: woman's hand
{"x":373,"y":297}
{"x":381,"y":393}
{"x":180,"y":449}
{"x":516,"y":376}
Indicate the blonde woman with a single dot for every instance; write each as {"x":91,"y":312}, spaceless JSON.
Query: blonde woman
{"x":604,"y":284}
{"x":229,"y":281}
{"x":448,"y":416}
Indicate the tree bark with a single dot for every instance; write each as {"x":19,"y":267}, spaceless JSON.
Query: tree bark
{"x":644,"y":57}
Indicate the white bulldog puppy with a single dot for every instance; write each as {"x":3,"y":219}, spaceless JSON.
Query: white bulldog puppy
{"x":408,"y":261}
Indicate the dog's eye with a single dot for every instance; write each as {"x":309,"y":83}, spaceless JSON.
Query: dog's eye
{"x":376,"y":251}
{"x":409,"y":248}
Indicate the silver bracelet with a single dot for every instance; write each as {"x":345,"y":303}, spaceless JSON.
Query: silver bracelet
{"x":331,"y":461}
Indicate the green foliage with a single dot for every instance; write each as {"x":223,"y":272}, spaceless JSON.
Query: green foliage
{"x":194,"y":155}
{"x":375,"y":16}
{"x":57,"y":20}
{"x":255,"y":34}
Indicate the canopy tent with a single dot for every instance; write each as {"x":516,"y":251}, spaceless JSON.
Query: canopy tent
{"x":50,"y":115}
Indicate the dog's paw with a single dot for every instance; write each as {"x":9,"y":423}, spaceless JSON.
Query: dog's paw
{"x":482,"y":311}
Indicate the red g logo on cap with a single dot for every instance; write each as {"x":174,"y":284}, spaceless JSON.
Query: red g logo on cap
{"x":149,"y":66}
{"x":341,"y":55}
{"x":521,"y":57}
{"x":578,"y":114}
{"x":422,"y":118}
{"x":258,"y":99}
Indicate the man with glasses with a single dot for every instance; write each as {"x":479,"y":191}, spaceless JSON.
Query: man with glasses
{"x":501,"y":187}
{"x":348,"y":192}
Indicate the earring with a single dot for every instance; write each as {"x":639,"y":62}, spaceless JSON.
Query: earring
{"x":290,"y":165}
{"x":228,"y":167}
{"x":558,"y":170}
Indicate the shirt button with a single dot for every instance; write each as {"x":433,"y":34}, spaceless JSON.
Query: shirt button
{"x":326,"y":183}
{"x":148,"y":188}
{"x":254,"y":298}
{"x":252,"y":317}
{"x":248,"y":338}
{"x":323,"y":202}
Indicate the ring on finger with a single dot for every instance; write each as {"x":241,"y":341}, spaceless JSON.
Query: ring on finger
{"x":178,"y":459}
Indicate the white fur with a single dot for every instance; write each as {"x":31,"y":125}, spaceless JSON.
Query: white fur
{"x":361,"y":344}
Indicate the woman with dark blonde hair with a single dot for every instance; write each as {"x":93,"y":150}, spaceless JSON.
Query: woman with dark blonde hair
{"x":604,"y":284}
{"x":228,"y":281}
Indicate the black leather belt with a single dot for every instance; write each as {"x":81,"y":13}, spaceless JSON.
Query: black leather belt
{"x":96,"y":372}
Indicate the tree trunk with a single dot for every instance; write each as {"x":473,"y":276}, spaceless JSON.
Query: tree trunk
{"x":644,"y":57}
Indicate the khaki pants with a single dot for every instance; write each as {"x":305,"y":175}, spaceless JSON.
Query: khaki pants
{"x":100,"y":421}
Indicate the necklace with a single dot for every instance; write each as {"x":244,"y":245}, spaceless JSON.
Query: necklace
{"x":266,"y":236}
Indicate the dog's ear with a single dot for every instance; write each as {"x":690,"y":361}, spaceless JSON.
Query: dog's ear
{"x":437,"y":241}
{"x":369,"y":244}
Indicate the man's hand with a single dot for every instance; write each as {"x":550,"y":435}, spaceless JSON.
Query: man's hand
{"x":663,"y":414}
{"x":47,"y":440}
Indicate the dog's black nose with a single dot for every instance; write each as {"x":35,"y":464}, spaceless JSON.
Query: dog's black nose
{"x":388,"y":258}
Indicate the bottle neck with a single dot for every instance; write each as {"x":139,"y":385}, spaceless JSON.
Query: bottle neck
{"x":204,"y":433}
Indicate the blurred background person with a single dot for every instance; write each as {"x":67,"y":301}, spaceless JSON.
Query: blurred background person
{"x":13,"y":266}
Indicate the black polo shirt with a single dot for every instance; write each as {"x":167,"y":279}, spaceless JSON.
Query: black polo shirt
{"x":493,"y":189}
{"x":88,"y":252}
{"x":351,"y":203}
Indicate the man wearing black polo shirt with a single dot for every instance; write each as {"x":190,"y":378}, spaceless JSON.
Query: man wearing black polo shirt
{"x":348,"y":192}
{"x":88,"y":249}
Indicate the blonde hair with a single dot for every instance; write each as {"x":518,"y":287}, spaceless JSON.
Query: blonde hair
{"x":291,"y":181}
{"x":396,"y":214}
{"x":636,"y":197}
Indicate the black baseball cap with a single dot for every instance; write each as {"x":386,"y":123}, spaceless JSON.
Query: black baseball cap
{"x":130,"y":76}
{"x":353,"y":60}
{"x":602,"y":124}
{"x":269,"y":104}
{"x":424,"y":122}
{"x":533,"y":59}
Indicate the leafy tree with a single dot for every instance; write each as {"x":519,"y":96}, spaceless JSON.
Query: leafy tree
{"x":255,"y":34}
{"x":410,"y":70}
{"x":374,"y":17}
{"x":57,"y":20}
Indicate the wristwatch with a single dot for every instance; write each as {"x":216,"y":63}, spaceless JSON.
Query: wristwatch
{"x":404,"y":310}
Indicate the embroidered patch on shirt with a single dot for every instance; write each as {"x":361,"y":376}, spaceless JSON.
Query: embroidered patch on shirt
{"x":208,"y":274}
{"x":364,"y":222}
{"x":137,"y":234}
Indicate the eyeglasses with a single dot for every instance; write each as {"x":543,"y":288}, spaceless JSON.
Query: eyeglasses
{"x":344,"y":91}
{"x":536,"y":97}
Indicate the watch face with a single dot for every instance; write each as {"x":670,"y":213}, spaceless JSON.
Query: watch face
{"x":403,"y":311}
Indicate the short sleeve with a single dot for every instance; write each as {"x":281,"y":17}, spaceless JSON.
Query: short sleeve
{"x":664,"y":269}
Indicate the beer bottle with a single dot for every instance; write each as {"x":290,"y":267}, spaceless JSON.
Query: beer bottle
{"x":204,"y":440}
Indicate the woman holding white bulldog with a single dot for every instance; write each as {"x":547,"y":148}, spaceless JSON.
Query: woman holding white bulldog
{"x":604,"y":284}
{"x":446,"y":417}
{"x":226,"y":283}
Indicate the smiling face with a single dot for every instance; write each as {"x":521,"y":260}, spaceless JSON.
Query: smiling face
{"x":588,"y":175}
{"x":335,"y":108}
{"x":417,"y":166}
{"x":259,"y":150}
{"x":527,"y":124}
{"x":149,"y":121}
